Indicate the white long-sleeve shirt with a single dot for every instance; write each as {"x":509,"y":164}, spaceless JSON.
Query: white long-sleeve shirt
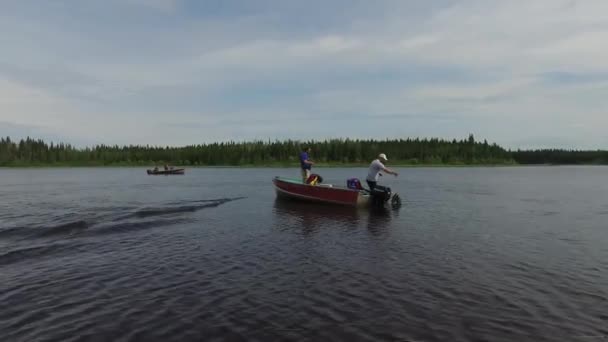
{"x":374,"y":170}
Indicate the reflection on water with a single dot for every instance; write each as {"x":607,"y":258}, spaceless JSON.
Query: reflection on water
{"x":311,"y":217}
{"x":378,"y":220}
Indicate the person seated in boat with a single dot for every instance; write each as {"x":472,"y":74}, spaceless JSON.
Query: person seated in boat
{"x":375,"y":169}
{"x":166,"y":167}
{"x":314,"y":179}
{"x":156,"y":169}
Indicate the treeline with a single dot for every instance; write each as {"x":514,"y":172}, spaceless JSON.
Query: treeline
{"x":31,"y":152}
{"x":561,"y":157}
{"x":335,"y":151}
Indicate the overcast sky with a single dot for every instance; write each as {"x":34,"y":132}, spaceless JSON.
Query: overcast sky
{"x":521,"y":73}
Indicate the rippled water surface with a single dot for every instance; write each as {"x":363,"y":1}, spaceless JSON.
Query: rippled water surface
{"x":474,"y":254}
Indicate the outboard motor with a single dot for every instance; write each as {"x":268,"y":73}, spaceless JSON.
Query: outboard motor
{"x":380,"y":195}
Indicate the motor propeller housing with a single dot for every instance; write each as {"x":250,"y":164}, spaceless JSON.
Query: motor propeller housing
{"x":396,"y":201}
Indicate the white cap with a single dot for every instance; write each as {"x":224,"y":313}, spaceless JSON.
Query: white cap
{"x":383,"y":156}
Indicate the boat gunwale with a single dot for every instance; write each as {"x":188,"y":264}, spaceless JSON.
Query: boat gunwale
{"x":362,"y":199}
{"x":332,"y":187}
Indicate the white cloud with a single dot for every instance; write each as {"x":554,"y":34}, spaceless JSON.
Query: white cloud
{"x":28,"y":105}
{"x":473,"y":92}
{"x":168,"y":6}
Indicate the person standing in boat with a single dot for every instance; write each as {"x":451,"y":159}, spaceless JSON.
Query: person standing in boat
{"x":375,"y":169}
{"x":305,"y":163}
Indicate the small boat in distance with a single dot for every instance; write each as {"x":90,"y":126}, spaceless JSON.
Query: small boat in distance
{"x":166,"y":172}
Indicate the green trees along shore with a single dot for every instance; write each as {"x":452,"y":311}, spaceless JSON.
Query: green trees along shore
{"x":334,"y":152}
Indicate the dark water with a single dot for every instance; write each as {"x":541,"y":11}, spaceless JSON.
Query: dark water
{"x":482,"y":254}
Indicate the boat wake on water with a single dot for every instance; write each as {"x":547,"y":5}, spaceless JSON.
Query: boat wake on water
{"x":108,"y":220}
{"x":195,"y":206}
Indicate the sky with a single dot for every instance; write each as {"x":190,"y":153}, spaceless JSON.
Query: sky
{"x":522,"y":73}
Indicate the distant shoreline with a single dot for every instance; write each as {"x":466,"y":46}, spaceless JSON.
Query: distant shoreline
{"x":279,"y":166}
{"x":408,"y":152}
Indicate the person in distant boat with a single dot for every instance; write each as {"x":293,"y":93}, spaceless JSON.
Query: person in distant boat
{"x":166,"y":167}
{"x":375,"y":169}
{"x":305,"y":163}
{"x":156,"y":169}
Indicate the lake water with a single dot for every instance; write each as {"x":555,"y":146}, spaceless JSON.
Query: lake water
{"x":474,"y":254}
